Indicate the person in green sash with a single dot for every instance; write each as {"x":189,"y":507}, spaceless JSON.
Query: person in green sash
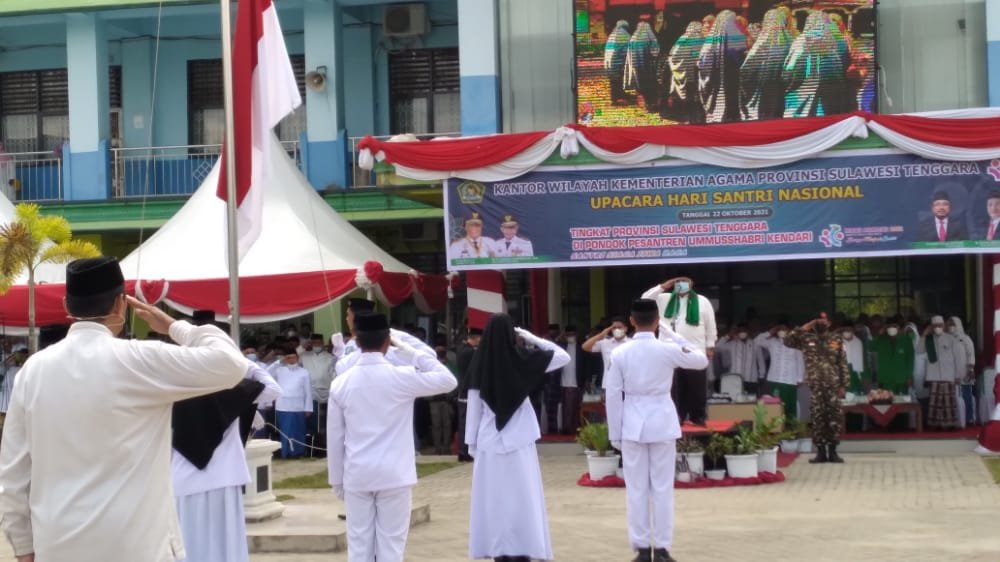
{"x":893,"y":359}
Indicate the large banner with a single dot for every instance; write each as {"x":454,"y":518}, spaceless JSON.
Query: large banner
{"x":652,"y":62}
{"x":859,"y":203}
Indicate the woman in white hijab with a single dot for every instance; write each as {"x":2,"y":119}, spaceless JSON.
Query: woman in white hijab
{"x":966,"y":396}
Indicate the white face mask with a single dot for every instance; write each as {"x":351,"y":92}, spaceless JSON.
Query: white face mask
{"x":252,"y":357}
{"x":618,"y":333}
{"x":938,"y":330}
{"x":742,"y":335}
{"x":683,"y":287}
{"x":848,"y":335}
{"x":782,"y":333}
{"x":892,"y":331}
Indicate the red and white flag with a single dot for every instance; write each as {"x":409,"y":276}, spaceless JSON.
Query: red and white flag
{"x":264,"y":92}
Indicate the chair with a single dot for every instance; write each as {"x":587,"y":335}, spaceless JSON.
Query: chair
{"x":731,"y":385}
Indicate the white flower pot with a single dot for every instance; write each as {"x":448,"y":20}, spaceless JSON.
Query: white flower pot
{"x":767,"y":460}
{"x":715,"y":474}
{"x":683,"y":477}
{"x":599,"y":467}
{"x":695,"y":462}
{"x":806,"y":445}
{"x":589,"y":452}
{"x":620,"y":473}
{"x":789,"y":445}
{"x":742,"y":466}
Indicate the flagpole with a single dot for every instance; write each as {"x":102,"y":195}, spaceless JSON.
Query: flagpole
{"x":231,"y":236}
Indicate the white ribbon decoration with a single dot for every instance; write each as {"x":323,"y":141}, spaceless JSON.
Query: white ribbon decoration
{"x":362,"y":280}
{"x":934,"y":151}
{"x":365,"y":159}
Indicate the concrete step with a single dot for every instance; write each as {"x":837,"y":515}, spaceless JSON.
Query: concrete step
{"x":310,"y":528}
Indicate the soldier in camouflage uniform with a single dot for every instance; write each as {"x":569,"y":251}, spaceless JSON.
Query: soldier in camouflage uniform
{"x":828,"y":376}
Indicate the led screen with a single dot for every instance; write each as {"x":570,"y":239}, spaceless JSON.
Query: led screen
{"x":642,"y":62}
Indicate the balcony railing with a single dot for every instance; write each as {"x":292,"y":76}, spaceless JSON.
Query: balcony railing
{"x":31,"y":176}
{"x":168,"y":171}
{"x":367,"y":178}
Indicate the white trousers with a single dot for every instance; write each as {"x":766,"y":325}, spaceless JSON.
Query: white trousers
{"x":649,"y":487}
{"x":377,"y":524}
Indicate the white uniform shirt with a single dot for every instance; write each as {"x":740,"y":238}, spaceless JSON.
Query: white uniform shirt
{"x":606,"y":346}
{"x":466,"y":248}
{"x":522,"y":429}
{"x":392,"y":356}
{"x":515,"y":247}
{"x":739,"y":357}
{"x":703,"y":335}
{"x":321,"y":373}
{"x":296,"y":388}
{"x":88,"y":435}
{"x":638,"y":385}
{"x":569,"y":371}
{"x":788,"y":366}
{"x":369,"y":425}
{"x":228,"y":465}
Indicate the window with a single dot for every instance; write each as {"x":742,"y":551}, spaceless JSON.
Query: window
{"x":424,"y":91}
{"x":206,"y":109}
{"x":34,"y":110}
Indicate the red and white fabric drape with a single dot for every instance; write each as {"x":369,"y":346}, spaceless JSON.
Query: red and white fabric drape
{"x":485,"y":296}
{"x":958,"y":135}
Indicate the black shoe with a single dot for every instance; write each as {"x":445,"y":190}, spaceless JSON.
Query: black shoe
{"x":643,"y":556}
{"x":342,"y":517}
{"x":661,"y":555}
{"x":833,"y":456}
{"x":820,"y":455}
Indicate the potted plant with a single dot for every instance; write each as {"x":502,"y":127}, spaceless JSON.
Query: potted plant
{"x":693,"y":454}
{"x":594,"y":436}
{"x":718,"y":446}
{"x":741,"y":461}
{"x":768,"y":433}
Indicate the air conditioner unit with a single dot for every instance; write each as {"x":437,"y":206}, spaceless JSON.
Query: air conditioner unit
{"x":405,"y":20}
{"x":419,"y":232}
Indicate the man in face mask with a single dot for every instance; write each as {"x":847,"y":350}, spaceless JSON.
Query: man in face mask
{"x":894,"y":355}
{"x":828,"y":375}
{"x":738,"y":356}
{"x":947,"y":365}
{"x":573,"y":380}
{"x":691,"y":315}
{"x":786,"y":370}
{"x":319,"y":363}
{"x":606,"y":341}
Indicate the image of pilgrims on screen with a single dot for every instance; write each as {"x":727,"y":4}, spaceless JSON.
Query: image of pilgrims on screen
{"x":697,"y":62}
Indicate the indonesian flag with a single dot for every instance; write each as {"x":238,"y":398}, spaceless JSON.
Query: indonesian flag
{"x":485,"y":296}
{"x":264,"y":92}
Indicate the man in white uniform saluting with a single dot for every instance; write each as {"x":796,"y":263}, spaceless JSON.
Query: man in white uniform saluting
{"x":370,"y":457}
{"x":99,"y":488}
{"x":643,"y":425}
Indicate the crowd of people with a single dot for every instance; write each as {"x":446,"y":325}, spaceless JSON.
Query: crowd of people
{"x":725,"y":69}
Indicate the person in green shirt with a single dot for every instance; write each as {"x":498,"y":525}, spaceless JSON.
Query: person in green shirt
{"x":893,"y":360}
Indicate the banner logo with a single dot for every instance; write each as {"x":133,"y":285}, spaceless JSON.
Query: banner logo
{"x":832,"y":237}
{"x":994,"y":170}
{"x":471,"y":192}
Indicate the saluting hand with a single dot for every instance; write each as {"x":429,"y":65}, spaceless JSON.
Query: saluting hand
{"x":158,"y":320}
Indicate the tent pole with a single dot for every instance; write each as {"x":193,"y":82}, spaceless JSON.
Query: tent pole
{"x":231,"y":237}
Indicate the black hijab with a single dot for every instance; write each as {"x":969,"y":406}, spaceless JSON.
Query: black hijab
{"x":503,"y":373}
{"x":199,"y":423}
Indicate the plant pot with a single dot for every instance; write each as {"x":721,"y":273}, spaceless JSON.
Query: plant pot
{"x":695,"y":462}
{"x":683,"y":477}
{"x":599,"y":467}
{"x":620,"y":473}
{"x":806,"y":445}
{"x":767,"y":460}
{"x":789,"y":445}
{"x":719,"y":474}
{"x":742,"y":466}
{"x":589,"y":452}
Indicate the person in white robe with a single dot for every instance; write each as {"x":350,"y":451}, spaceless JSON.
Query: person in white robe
{"x":210,"y":498}
{"x":370,"y":457}
{"x":99,"y":488}
{"x":507,"y":522}
{"x":966,"y":388}
{"x":643,"y":425}
{"x":294,"y":405}
{"x":319,"y":363}
{"x":786,"y":371}
{"x":739,"y":357}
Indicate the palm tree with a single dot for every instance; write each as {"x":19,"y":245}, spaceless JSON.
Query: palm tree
{"x":31,"y":240}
